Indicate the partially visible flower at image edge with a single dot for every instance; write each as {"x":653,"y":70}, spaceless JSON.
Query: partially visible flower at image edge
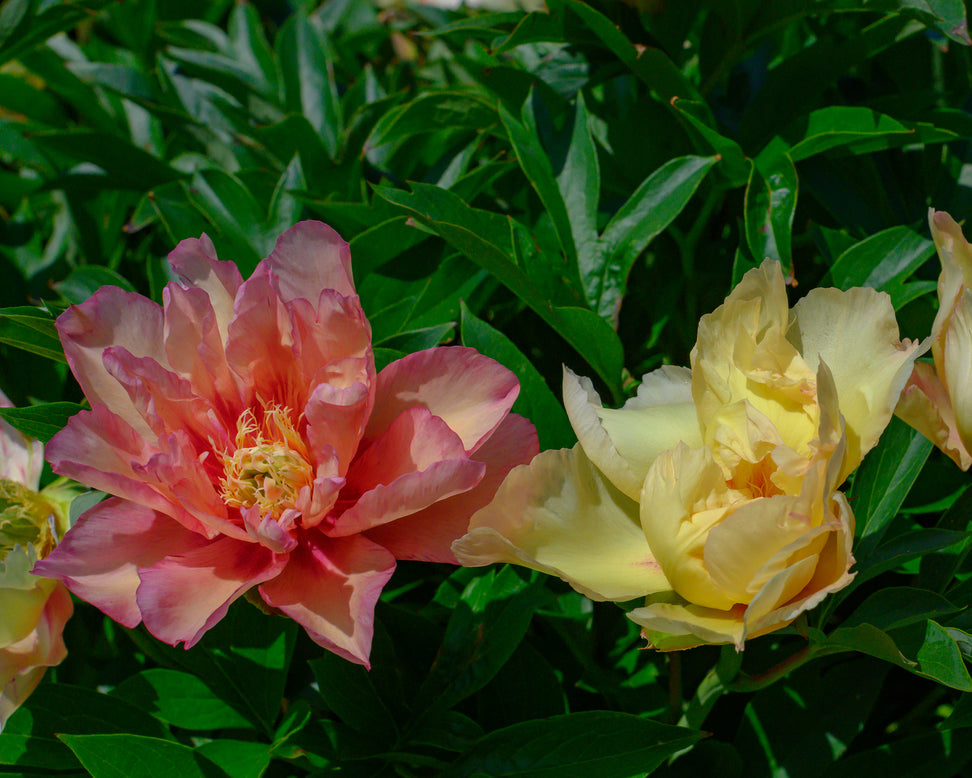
{"x":937,"y":400}
{"x":250,"y":447}
{"x":713,"y":492}
{"x":33,"y":610}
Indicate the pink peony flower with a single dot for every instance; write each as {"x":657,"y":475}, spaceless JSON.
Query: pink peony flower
{"x":250,"y":447}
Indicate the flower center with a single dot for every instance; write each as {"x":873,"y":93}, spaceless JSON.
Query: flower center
{"x":24,"y":519}
{"x":270,"y":465}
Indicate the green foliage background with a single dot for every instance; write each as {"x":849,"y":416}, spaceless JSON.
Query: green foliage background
{"x":574,"y":187}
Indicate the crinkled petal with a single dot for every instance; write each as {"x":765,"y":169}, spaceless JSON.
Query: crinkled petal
{"x":957,"y":366}
{"x":111,"y":317}
{"x":470,"y":392}
{"x":561,"y":516}
{"x":184,"y":594}
{"x":336,"y":418}
{"x":418,"y":460}
{"x":427,"y":535}
{"x":671,"y":624}
{"x":856,"y":334}
{"x":684,"y":497}
{"x":194,"y":261}
{"x":926,"y":406}
{"x":309,"y":258}
{"x":21,"y":458}
{"x":99,"y":558}
{"x":330,"y":587}
{"x":622,"y":443}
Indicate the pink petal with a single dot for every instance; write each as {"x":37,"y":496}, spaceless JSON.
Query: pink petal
{"x":98,"y":559}
{"x":194,"y":347}
{"x":309,"y":258}
{"x":111,"y":317}
{"x":194,"y":260}
{"x":186,"y":593}
{"x":260,"y":346}
{"x":416,"y":462}
{"x":21,"y":458}
{"x":330,"y":588}
{"x":428,"y":534}
{"x":336,"y":418}
{"x":472,"y":393}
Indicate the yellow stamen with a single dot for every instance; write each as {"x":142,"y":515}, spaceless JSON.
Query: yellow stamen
{"x":270,"y":463}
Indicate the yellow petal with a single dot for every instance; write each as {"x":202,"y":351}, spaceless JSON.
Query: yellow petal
{"x":856,"y":334}
{"x":684,"y":497}
{"x":955,"y":254}
{"x":957,"y":366}
{"x":561,"y":516}
{"x":622,"y":443}
{"x":926,"y":406}
{"x":675,"y":624}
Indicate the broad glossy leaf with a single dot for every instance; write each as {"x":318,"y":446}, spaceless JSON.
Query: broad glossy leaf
{"x":40,"y":421}
{"x":349,"y":691}
{"x":607,"y":744}
{"x":899,"y":606}
{"x":734,"y":164}
{"x":31,"y":329}
{"x":536,"y":401}
{"x":883,"y":260}
{"x":771,"y":197}
{"x":135,"y":756}
{"x":25,"y":24}
{"x":84,"y":281}
{"x":941,"y":659}
{"x":180,"y":699}
{"x":481,"y":236}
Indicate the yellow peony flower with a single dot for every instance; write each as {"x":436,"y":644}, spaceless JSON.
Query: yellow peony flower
{"x":938,"y":398}
{"x":713,"y":492}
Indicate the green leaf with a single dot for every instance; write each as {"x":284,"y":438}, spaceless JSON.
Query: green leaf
{"x":31,"y":329}
{"x":658,"y":200}
{"x":441,"y":109}
{"x":835,"y":126}
{"x":735,"y":166}
{"x":84,"y":281}
{"x":602,"y":743}
{"x":134,"y":756}
{"x":834,"y":697}
{"x":941,"y":659}
{"x":307,"y":65}
{"x":348,"y":690}
{"x":484,"y":629}
{"x":883,"y":260}
{"x":22,"y":27}
{"x":925,"y":754}
{"x":40,"y":421}
{"x":537,"y":168}
{"x":771,"y":197}
{"x":180,"y":699}
{"x":236,"y":213}
{"x":883,"y":481}
{"x":481,"y":236}
{"x":536,"y":401}
{"x":900,"y":606}
{"x":239,"y":758}
{"x":381,"y":244}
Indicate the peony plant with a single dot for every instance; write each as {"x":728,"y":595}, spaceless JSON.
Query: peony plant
{"x":714,"y":492}
{"x":33,"y":610}
{"x":250,"y":448}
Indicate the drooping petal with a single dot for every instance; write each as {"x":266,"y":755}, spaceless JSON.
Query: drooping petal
{"x":330,"y":587}
{"x":957,"y":366}
{"x":470,"y":392}
{"x":622,"y":443}
{"x":926,"y":406}
{"x":194,"y":261}
{"x":194,"y":346}
{"x":99,"y":558}
{"x":671,"y":624}
{"x":309,"y":258}
{"x":111,"y":317}
{"x":870,"y":375}
{"x":427,"y":535}
{"x":21,"y":458}
{"x":416,"y":462}
{"x":184,"y":594}
{"x":561,"y":516}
